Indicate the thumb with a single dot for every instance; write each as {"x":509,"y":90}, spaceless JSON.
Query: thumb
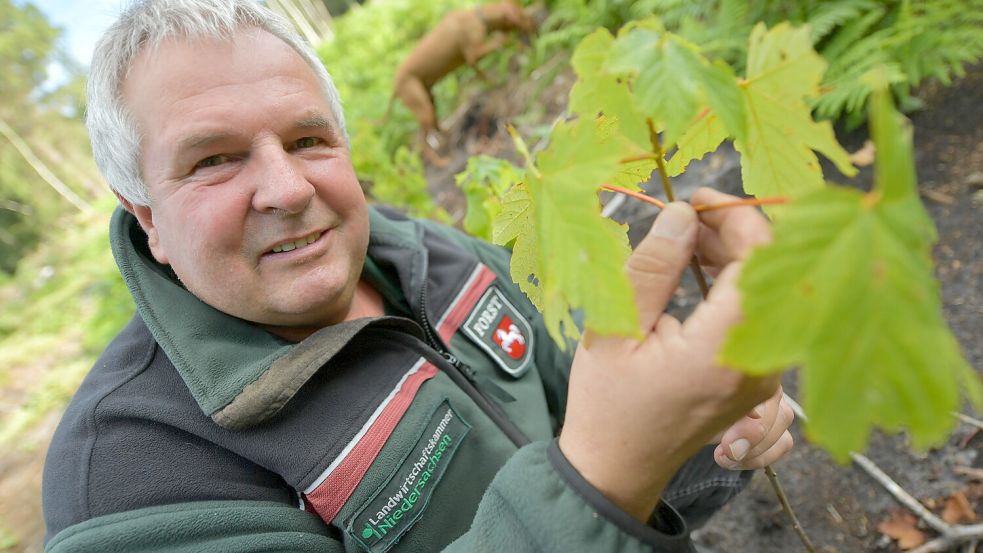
{"x":656,"y":265}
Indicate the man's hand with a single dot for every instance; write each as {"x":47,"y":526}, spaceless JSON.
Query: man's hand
{"x":637,"y":410}
{"x":727,"y":236}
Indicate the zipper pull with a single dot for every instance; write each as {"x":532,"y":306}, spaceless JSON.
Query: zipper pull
{"x":486,"y":385}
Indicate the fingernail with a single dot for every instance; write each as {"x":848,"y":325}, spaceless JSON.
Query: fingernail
{"x":739,"y":449}
{"x":673,"y":221}
{"x":759,"y":410}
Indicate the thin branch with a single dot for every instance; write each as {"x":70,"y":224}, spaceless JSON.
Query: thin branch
{"x":701,"y":281}
{"x":42,"y":169}
{"x":892,"y":487}
{"x":951,"y":539}
{"x":796,"y":525}
{"x":969,"y":420}
{"x":746,"y":201}
{"x":950,"y":536}
{"x":698,"y":207}
{"x":637,"y":195}
{"x":660,"y":160}
{"x":705,"y":290}
{"x":901,"y":495}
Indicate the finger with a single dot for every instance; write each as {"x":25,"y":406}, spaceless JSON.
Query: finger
{"x":775,"y":453}
{"x":728,"y":234}
{"x":656,"y":265}
{"x":739,"y":440}
{"x":781,"y":421}
{"x":713,"y":317}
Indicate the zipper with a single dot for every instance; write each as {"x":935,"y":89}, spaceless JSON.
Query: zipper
{"x":466,"y":377}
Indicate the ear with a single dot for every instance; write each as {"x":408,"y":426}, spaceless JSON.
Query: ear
{"x":145,"y":216}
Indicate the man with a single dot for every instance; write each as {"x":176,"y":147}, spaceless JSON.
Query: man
{"x":308,"y":374}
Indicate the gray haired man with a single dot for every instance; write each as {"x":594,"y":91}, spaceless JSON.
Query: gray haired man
{"x":306,"y":373}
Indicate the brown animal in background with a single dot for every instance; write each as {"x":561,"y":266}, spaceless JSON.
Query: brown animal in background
{"x":462,"y":37}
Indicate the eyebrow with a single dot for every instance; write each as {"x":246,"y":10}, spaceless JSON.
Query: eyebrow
{"x":315,"y":120}
{"x":319,"y":121}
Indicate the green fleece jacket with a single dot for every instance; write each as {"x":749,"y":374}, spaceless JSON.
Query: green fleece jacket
{"x":427,"y":430}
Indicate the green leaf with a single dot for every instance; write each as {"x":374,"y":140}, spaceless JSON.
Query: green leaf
{"x":672,"y":81}
{"x":702,"y":138}
{"x":484,"y":182}
{"x":563,"y":249}
{"x":846,"y":290}
{"x":596,"y":92}
{"x":777,"y":158}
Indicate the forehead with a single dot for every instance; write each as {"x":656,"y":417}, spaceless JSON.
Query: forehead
{"x":184,"y":80}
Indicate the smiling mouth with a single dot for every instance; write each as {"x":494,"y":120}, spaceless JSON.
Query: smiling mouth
{"x":297,"y":244}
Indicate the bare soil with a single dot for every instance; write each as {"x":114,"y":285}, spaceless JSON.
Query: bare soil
{"x":839,"y":505}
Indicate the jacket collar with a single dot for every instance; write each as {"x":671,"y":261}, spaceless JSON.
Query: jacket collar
{"x":238,"y":373}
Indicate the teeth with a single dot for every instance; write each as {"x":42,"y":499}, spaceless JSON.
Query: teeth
{"x":289,"y":246}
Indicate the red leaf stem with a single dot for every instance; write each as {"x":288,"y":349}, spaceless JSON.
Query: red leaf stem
{"x":776,"y":200}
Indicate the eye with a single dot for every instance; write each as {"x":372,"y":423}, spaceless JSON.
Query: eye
{"x":212,"y":161}
{"x":307,"y":142}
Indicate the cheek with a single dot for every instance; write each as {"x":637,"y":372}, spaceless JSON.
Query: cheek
{"x":203,"y":227}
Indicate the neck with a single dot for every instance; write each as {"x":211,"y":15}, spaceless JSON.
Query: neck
{"x":366,"y":302}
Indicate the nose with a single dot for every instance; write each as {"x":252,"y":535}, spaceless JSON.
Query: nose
{"x":281,"y":184}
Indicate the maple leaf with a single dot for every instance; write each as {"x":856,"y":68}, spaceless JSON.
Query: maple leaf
{"x":563,"y":249}
{"x":596,"y":92}
{"x":672,"y":80}
{"x":702,"y":138}
{"x":484,"y":182}
{"x":867,"y":325}
{"x":777,"y":157}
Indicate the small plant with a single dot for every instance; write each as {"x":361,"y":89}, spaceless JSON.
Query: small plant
{"x":845,"y":290}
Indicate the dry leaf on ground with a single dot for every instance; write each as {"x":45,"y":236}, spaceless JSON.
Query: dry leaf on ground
{"x":958,"y":510}
{"x":902,"y":526}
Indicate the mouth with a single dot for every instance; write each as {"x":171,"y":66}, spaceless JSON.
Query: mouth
{"x":297,"y":244}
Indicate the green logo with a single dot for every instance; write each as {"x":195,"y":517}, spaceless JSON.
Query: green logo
{"x":402,"y":500}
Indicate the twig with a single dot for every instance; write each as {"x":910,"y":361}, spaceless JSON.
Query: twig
{"x":697,"y":207}
{"x":746,"y":201}
{"x":969,"y":420}
{"x":892,"y":487}
{"x":705,"y":290}
{"x":972,"y":472}
{"x":950,"y":536}
{"x":903,"y":497}
{"x":42,"y":170}
{"x":660,"y":160}
{"x":956,"y":536}
{"x":783,"y":499}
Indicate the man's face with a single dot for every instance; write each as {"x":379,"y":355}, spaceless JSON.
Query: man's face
{"x":255,"y":204}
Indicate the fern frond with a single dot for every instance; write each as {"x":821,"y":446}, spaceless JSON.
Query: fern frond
{"x":829,"y":15}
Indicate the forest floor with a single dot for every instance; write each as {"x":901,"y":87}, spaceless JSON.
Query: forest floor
{"x":840,"y":506}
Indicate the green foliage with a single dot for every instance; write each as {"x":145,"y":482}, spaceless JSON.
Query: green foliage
{"x":61,"y":308}
{"x":846,"y":290}
{"x":27,"y":41}
{"x":908,"y":40}
{"x":46,"y":125}
{"x":370,"y":42}
{"x":562,"y":248}
{"x":484,"y":182}
{"x":7,"y":540}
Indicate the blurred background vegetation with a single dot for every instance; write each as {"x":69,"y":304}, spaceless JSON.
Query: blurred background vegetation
{"x":61,"y":298}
